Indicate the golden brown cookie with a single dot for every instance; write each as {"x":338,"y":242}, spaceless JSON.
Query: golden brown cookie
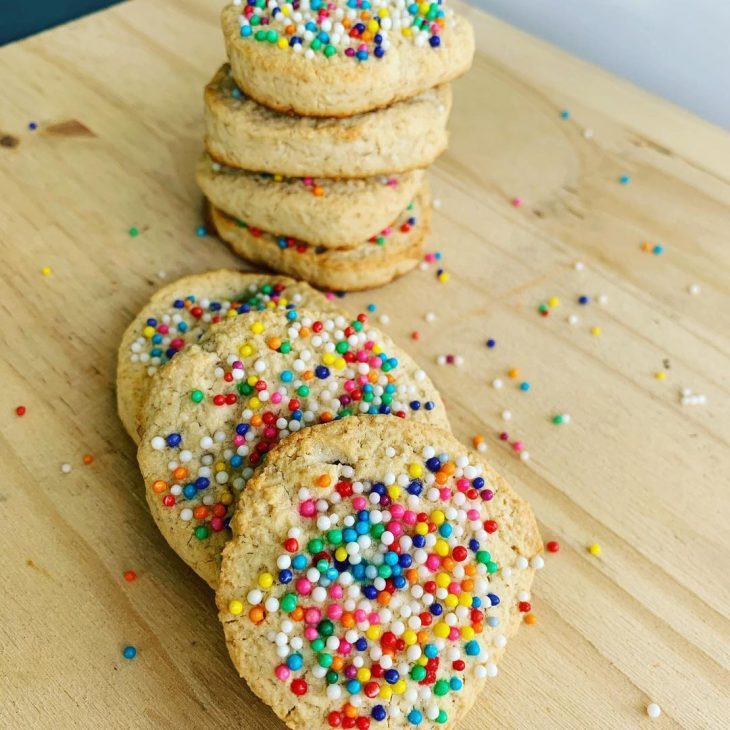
{"x":180,"y":313}
{"x":347,"y":59}
{"x":214,"y":412}
{"x":405,"y":136}
{"x":323,"y":212}
{"x":376,"y":571}
{"x":378,"y":261}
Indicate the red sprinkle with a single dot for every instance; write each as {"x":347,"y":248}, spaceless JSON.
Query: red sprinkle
{"x":553,"y":546}
{"x":20,"y":411}
{"x":129,"y":576}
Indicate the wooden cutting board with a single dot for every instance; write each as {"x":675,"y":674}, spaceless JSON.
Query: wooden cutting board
{"x":117,"y":102}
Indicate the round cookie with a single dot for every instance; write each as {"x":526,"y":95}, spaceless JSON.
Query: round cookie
{"x":323,"y":212}
{"x":181,"y":312}
{"x":343,"y":57}
{"x":376,"y":571}
{"x":374,"y":263}
{"x":405,"y":136}
{"x":214,"y":412}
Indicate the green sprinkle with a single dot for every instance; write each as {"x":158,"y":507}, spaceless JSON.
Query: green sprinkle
{"x":418,"y":673}
{"x":302,"y":391}
{"x":315,"y":546}
{"x":558,"y":420}
{"x":201,"y":532}
{"x":133,"y":231}
{"x":334,"y":537}
{"x":329,"y":50}
{"x":483,"y":557}
{"x":441,"y":688}
{"x":324,"y":660}
{"x":326,"y":627}
{"x":492,"y":567}
{"x":196,"y":396}
{"x":288,"y":603}
{"x":272,"y":36}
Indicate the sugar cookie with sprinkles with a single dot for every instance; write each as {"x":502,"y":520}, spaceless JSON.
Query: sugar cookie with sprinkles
{"x":397,"y":250}
{"x":376,"y":571}
{"x":214,"y":412}
{"x":242,"y":133}
{"x":337,"y":58}
{"x":181,"y":312}
{"x":321,"y":211}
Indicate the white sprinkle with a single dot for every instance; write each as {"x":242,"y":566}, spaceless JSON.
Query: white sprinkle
{"x":507,"y":415}
{"x":497,"y":383}
{"x":588,"y":133}
{"x":66,"y":468}
{"x":573,"y":319}
{"x":384,"y":319}
{"x":441,"y":360}
{"x":157,"y":443}
{"x":525,"y":455}
{"x":653,"y":710}
{"x":429,"y":317}
{"x":161,"y":274}
{"x":458,"y":360}
{"x":602,"y":299}
{"x":482,"y":446}
{"x":695,"y":289}
{"x":537,"y":562}
{"x":436,"y":203}
{"x":579,"y":266}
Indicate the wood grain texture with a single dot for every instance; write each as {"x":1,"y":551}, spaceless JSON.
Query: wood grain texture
{"x":117,"y":97}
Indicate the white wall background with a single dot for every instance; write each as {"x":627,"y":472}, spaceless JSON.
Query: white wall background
{"x":677,"y":49}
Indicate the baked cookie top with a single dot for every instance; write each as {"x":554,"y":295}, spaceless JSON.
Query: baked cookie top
{"x":374,"y":576}
{"x":343,"y":57}
{"x":218,"y":408}
{"x":181,"y":312}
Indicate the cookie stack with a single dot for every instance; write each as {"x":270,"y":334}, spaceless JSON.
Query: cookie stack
{"x":319,"y":131}
{"x":369,"y":569}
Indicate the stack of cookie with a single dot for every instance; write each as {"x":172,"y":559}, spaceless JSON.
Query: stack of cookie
{"x":369,"y":569}
{"x":319,"y":130}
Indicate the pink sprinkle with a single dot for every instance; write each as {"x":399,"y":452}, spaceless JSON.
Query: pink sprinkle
{"x":392,"y":182}
{"x":282,"y":672}
{"x":163,"y":329}
{"x":453,"y":634}
{"x":334,"y":611}
{"x":397,"y":510}
{"x":311,"y":633}
{"x":374,"y":618}
{"x":312,"y":615}
{"x":307,"y":181}
{"x":177,"y":343}
{"x":433,"y":562}
{"x":518,"y":446}
{"x":237,"y":365}
{"x":330,"y":295}
{"x":345,"y":647}
{"x":430,"y":257}
{"x":473,"y":515}
{"x":409,"y":517}
{"x":395,"y":528}
{"x":276,"y":397}
{"x":359,"y":502}
{"x":455,"y":588}
{"x":462,"y":484}
{"x":336,"y":591}
{"x":217,"y":524}
{"x":349,"y":385}
{"x":304,"y":587}
{"x":307,"y":508}
{"x":444,"y":494}
{"x":517,"y":202}
{"x":376,"y":362}
{"x":360,"y":616}
{"x":238,"y":439}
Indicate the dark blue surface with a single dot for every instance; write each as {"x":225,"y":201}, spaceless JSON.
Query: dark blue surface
{"x":24,"y":17}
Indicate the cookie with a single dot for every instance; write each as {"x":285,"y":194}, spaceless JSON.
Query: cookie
{"x":405,"y":136}
{"x":376,"y":262}
{"x":180,"y":313}
{"x":343,"y":58}
{"x":215,"y":411}
{"x":376,"y":571}
{"x":323,"y":212}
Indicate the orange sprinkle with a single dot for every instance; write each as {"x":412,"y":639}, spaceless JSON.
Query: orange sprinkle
{"x":88,"y":458}
{"x":337,"y":663}
{"x":366,"y":35}
{"x":349,"y":710}
{"x":383,"y":598}
{"x":449,"y":467}
{"x":467,"y":585}
{"x":412,"y":575}
{"x":318,"y":190}
{"x":530,"y":619}
{"x":423,"y":637}
{"x":159,"y":486}
{"x":469,"y":569}
{"x":478,"y":627}
{"x":346,"y":22}
{"x":348,"y":620}
{"x":200,"y":512}
{"x":646,"y":246}
{"x":180,"y":473}
{"x":305,"y":332}
{"x":297,"y":614}
{"x":391,"y":379}
{"x":448,"y":563}
{"x":513,"y":373}
{"x":307,"y":375}
{"x":365,"y":15}
{"x":323,"y":480}
{"x":325,"y":417}
{"x":478,"y":439}
{"x":274,"y":343}
{"x":257,"y":614}
{"x":256,"y":420}
{"x":289,"y":30}
{"x":441,"y":478}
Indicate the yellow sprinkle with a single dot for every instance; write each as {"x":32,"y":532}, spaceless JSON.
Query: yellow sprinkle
{"x":328,"y":358}
{"x":415,"y":470}
{"x":399,"y":687}
{"x":437,"y":517}
{"x":421,"y":528}
{"x":257,"y":328}
{"x":363,"y":674}
{"x":340,"y":554}
{"x":467,"y":633}
{"x":444,"y":276}
{"x":594,"y":549}
{"x":386,"y":692}
{"x":394,"y":491}
{"x":383,"y":13}
{"x":377,"y":349}
{"x":423,"y":8}
{"x":279,"y":178}
{"x":443,"y":580}
{"x":410,"y":637}
{"x":252,"y":379}
{"x":661,"y":375}
{"x":407,"y":32}
{"x":373,"y":632}
{"x":231,"y":313}
{"x":245,"y":350}
{"x":553,"y":302}
{"x":226,"y":498}
{"x":235,"y":607}
{"x":148,"y":332}
{"x":220,"y":466}
{"x":340,"y":363}
{"x":451,"y":601}
{"x":282,"y":43}
{"x":442,"y":548}
{"x":254,"y":402}
{"x":266,"y":580}
{"x":441,"y":630}
{"x":596,"y":331}
{"x":373,"y":26}
{"x":46,"y":271}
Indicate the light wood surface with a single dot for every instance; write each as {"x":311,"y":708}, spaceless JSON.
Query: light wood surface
{"x":635,"y":471}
